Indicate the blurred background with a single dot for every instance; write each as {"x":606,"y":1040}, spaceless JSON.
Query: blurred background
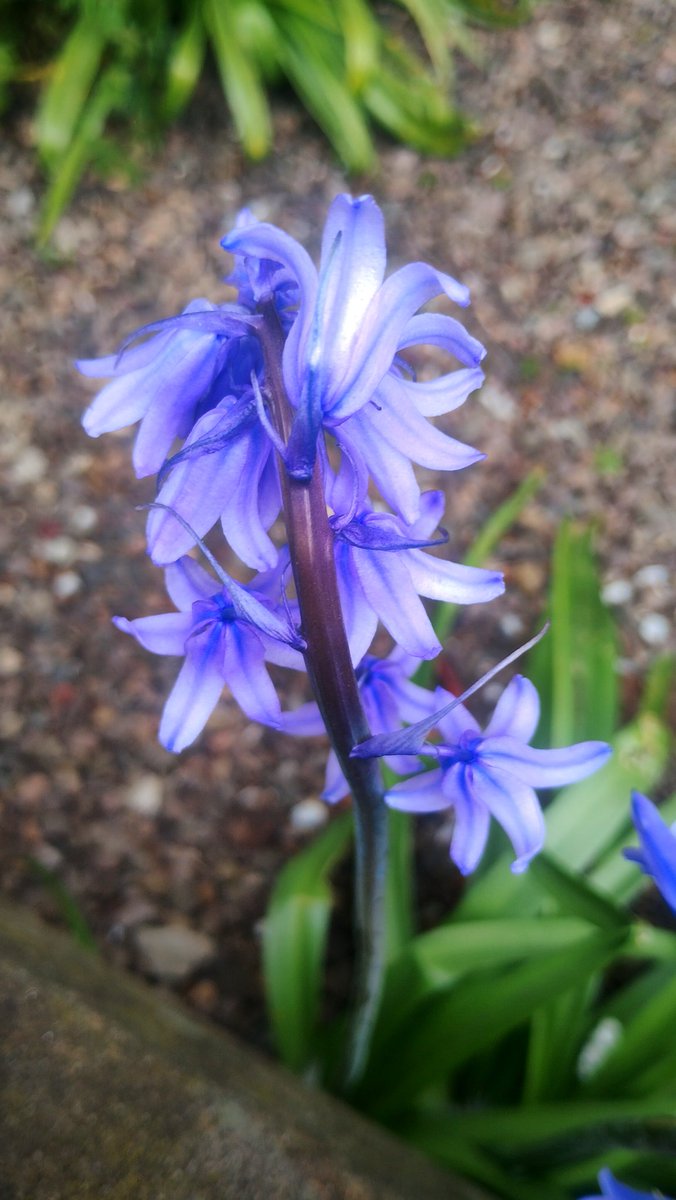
{"x":524,"y":148}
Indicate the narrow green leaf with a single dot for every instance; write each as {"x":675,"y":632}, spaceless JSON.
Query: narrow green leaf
{"x":362,"y":41}
{"x":70,"y":83}
{"x":455,"y":1025}
{"x":106,"y":97}
{"x":644,"y":1041}
{"x":325,"y":95}
{"x":518,"y":1129}
{"x":586,"y":819}
{"x":241,"y":82}
{"x":574,"y":896}
{"x":574,"y":668}
{"x":184,"y":65}
{"x":294,"y":942}
{"x":70,"y":910}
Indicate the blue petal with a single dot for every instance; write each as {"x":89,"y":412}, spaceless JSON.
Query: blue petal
{"x":186,"y":581}
{"x":335,"y":784}
{"x":515,"y":806}
{"x":436,"y":329}
{"x":195,"y":693}
{"x":421,"y":794}
{"x":356,"y":271}
{"x":388,"y":588}
{"x":458,"y":721}
{"x":472,"y":820}
{"x":434,"y":397}
{"x":246,"y":675}
{"x":657,"y":856}
{"x":517,"y":712}
{"x":455,"y":583}
{"x":545,"y":768}
{"x":166,"y":633}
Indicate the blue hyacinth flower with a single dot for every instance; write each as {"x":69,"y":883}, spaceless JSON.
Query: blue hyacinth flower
{"x":225,"y":635}
{"x":656,"y":855}
{"x":489,"y":773}
{"x":612,"y":1189}
{"x":343,"y":350}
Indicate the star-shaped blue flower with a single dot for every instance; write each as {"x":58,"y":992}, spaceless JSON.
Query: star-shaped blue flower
{"x":612,"y":1189}
{"x":487,"y":773}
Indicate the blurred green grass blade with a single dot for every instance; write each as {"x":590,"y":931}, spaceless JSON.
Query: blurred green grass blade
{"x":432,"y":19}
{"x":518,"y":1129}
{"x":659,"y":686}
{"x":309,"y":68}
{"x":555,"y":1034}
{"x":646,"y":1039}
{"x":498,"y":13}
{"x":184,"y":65}
{"x":586,"y":819}
{"x":107,"y":96}
{"x":294,"y":942}
{"x":452,"y":1027}
{"x":574,"y":896}
{"x":71,"y":913}
{"x":241,"y":81}
{"x":403,"y":104}
{"x":435,"y":1135}
{"x":64,"y":98}
{"x":362,"y":41}
{"x":574,"y":668}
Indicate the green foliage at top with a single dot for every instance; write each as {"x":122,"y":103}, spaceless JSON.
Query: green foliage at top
{"x":134,"y":65}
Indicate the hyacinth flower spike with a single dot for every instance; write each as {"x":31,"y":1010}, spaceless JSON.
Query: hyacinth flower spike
{"x":612,"y":1189}
{"x":657,"y":853}
{"x":489,"y":773}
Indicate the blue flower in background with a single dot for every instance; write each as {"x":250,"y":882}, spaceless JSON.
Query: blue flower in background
{"x":656,"y":855}
{"x":225,"y":636}
{"x":489,"y":773}
{"x":612,"y":1189}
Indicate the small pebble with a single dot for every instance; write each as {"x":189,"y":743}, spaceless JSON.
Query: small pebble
{"x":66,"y":584}
{"x":497,"y":402}
{"x":29,"y":466}
{"x":618,"y":591}
{"x":586,"y":319}
{"x":58,"y":550}
{"x":654,"y":629}
{"x":614,"y":300}
{"x":144,"y":795}
{"x":652,"y":575}
{"x":172,"y":952}
{"x":83,"y":518}
{"x":11,"y":661}
{"x":308,"y":815}
{"x":20,"y":203}
{"x":511,"y":625}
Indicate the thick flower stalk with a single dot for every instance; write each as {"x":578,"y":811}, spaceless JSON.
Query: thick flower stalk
{"x":297,"y":397}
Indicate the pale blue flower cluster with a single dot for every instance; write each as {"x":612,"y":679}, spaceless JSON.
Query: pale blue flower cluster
{"x":205,"y":388}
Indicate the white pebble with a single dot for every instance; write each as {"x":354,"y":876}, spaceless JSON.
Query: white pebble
{"x":20,"y":202}
{"x":29,"y":466}
{"x":11,"y":661}
{"x":618,"y":591}
{"x":83,"y":518}
{"x":58,"y":550}
{"x":654,"y":629}
{"x":614,"y":300}
{"x":497,"y":402}
{"x":144,"y":795}
{"x":308,"y":815}
{"x":652,"y":575}
{"x":511,"y":625}
{"x":66,"y":585}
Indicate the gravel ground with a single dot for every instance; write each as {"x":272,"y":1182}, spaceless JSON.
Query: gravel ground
{"x":561,"y":218}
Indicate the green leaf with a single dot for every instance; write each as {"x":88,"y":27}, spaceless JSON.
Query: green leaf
{"x":70,"y":910}
{"x":70,"y":83}
{"x":362,"y":41}
{"x":574,"y":896}
{"x":586,"y":819}
{"x":294,"y":942}
{"x":453,"y":1026}
{"x":184,"y":65}
{"x":574,"y":667}
{"x":106,"y":97}
{"x":646,"y":1041}
{"x":241,"y":81}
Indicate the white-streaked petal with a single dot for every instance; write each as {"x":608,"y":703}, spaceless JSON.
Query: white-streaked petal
{"x":455,"y":583}
{"x":421,"y":794}
{"x":515,"y":807}
{"x":436,"y":329}
{"x":545,"y":768}
{"x":387,"y":586}
{"x":246,"y":675}
{"x":472,"y":820}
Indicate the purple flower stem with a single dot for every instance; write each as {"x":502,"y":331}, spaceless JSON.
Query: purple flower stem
{"x":334,"y":683}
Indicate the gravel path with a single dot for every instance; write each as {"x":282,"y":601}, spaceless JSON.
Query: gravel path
{"x":561,"y":218}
